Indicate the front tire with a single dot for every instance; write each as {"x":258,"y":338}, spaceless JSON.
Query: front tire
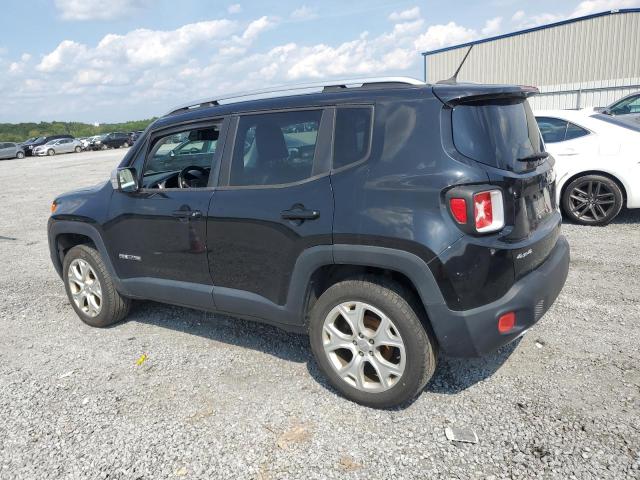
{"x":368,"y":339}
{"x":20,"y":155}
{"x":104,"y":147}
{"x":592,"y":200}
{"x":90,"y":288}
{"x":78,"y":149}
{"x":51,"y":152}
{"x":125,"y":145}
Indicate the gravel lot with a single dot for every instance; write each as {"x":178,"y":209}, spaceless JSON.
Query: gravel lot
{"x":224,"y":398}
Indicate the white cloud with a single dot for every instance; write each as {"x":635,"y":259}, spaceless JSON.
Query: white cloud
{"x":404,"y":15}
{"x":595,"y":6}
{"x":518,"y":16}
{"x":492,"y":26}
{"x":255,"y":28}
{"x":63,"y":57}
{"x":234,"y":8}
{"x":304,"y":13}
{"x":439,"y":36}
{"x":97,"y":9}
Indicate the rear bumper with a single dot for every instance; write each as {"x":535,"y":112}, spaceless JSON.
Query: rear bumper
{"x":474,"y":332}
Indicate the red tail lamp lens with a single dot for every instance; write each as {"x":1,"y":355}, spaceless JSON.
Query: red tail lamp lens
{"x":458,"y":208}
{"x":506,"y":322}
{"x":482,"y":210}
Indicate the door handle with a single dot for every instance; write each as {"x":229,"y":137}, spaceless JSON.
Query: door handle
{"x":300,"y":214}
{"x":187,"y":213}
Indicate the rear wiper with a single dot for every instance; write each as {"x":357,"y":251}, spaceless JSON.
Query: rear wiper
{"x":534,"y":157}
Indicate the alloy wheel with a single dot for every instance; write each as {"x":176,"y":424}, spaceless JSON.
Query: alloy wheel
{"x":591,"y":201}
{"x":85,"y":287}
{"x":363,"y":346}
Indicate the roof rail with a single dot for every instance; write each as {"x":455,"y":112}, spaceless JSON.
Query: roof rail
{"x":297,"y":89}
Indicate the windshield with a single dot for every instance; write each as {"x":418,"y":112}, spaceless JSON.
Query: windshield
{"x":39,"y":139}
{"x":498,"y":133}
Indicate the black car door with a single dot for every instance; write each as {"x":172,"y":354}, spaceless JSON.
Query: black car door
{"x":274,"y":201}
{"x":158,"y":233}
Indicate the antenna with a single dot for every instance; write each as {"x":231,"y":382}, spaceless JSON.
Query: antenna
{"x":454,"y":79}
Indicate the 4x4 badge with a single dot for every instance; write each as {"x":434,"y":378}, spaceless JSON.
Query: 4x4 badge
{"x":124,"y":256}
{"x":520,"y":256}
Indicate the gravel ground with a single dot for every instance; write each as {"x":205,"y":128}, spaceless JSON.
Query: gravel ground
{"x":223,"y":398}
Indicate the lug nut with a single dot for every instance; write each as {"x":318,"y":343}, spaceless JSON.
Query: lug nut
{"x":371,"y":341}
{"x":371,"y":352}
{"x":361,"y":353}
{"x":361,"y":335}
{"x":355,"y":343}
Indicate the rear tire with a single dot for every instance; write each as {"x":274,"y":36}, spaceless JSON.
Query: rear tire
{"x":592,"y":200}
{"x":104,"y":147}
{"x":376,"y":366}
{"x":90,"y":288}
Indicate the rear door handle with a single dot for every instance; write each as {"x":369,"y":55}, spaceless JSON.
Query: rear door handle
{"x":300,"y":214}
{"x":187,"y":213}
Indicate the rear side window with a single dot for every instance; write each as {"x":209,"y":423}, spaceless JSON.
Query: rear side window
{"x":352,"y":135}
{"x":275,"y":148}
{"x":497,"y":133}
{"x":555,"y":130}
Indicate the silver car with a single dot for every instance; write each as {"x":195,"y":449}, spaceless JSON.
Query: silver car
{"x":61,"y":145}
{"x":11,"y":150}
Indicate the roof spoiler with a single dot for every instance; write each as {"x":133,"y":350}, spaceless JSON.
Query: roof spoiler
{"x":454,"y":94}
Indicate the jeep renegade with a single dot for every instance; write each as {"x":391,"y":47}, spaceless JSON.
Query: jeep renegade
{"x":386,"y":218}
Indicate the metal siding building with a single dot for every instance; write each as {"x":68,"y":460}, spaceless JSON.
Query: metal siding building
{"x":587,"y":61}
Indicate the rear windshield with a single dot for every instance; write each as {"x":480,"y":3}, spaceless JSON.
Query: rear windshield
{"x":497,"y":133}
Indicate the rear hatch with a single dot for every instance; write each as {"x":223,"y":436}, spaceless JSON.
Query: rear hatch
{"x":494,"y":126}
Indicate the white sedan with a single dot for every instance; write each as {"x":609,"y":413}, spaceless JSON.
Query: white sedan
{"x":597,"y":163}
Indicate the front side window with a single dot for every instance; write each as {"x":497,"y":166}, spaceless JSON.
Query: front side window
{"x":275,"y":148}
{"x":626,"y":106}
{"x":352,"y":135}
{"x":175,"y":152}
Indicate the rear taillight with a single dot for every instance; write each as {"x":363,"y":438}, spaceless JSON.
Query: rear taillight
{"x":488,"y":211}
{"x":476,"y":212}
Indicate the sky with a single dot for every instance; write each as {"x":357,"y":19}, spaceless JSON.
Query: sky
{"x":117,"y":60}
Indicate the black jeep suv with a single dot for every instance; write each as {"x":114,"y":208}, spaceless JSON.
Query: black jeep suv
{"x":111,"y":140}
{"x":388,"y":219}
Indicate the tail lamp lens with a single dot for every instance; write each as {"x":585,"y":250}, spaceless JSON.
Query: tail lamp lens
{"x":458,"y":208}
{"x":488,"y":211}
{"x":506,"y":322}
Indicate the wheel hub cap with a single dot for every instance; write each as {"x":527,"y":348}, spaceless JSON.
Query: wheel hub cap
{"x":85,"y":287}
{"x":364,"y":346}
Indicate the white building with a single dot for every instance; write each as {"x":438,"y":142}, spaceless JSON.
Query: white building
{"x":581,"y":62}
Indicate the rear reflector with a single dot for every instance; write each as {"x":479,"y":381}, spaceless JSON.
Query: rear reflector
{"x":506,"y":322}
{"x":488,"y":211}
{"x":458,"y":208}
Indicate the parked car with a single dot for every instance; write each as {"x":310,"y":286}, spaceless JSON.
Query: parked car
{"x":389,"y":221}
{"x":625,"y":106}
{"x":11,"y":150}
{"x":133,"y":137}
{"x":597,"y":169}
{"x":111,"y":140}
{"x":61,"y":145}
{"x":29,"y":147}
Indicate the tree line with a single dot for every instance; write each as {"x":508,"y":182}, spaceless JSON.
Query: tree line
{"x":19,"y":132}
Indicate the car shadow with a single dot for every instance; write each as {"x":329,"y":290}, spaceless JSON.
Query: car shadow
{"x":220,"y":328}
{"x":626,"y":216}
{"x":453,"y":375}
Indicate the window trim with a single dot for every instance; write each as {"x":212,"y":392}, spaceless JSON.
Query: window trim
{"x":367,"y":155}
{"x":180,"y":127}
{"x":325,"y":134}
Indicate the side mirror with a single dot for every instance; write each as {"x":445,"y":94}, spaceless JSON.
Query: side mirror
{"x":124,"y":180}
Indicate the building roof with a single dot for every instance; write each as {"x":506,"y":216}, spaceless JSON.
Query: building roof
{"x":534,"y":29}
